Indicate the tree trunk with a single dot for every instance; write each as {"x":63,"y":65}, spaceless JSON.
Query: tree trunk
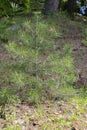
{"x":71,"y":7}
{"x":59,"y":6}
{"x":82,"y":2}
{"x":51,"y":6}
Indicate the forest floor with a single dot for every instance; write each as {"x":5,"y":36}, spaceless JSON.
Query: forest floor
{"x":51,"y":115}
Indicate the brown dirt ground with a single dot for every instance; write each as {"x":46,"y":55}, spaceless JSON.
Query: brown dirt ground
{"x":73,"y":35}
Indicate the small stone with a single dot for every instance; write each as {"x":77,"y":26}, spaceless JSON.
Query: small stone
{"x":19,"y":121}
{"x":14,"y":28}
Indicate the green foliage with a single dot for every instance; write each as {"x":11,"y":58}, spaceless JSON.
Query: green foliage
{"x":85,"y":40}
{"x":37,"y":5}
{"x":38,"y":69}
{"x":10,"y":7}
{"x":15,"y":7}
{"x":35,"y":71}
{"x":27,"y":5}
{"x":5,"y":7}
{"x":6,"y":96}
{"x":15,"y":127}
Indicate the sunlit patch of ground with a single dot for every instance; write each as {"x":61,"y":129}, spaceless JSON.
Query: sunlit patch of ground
{"x":57,"y":115}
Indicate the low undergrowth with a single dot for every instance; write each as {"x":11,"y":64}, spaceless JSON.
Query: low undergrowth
{"x":51,"y":116}
{"x":36,"y":70}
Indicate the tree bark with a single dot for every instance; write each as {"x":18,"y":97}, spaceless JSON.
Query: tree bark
{"x":71,"y":7}
{"x":51,"y":6}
